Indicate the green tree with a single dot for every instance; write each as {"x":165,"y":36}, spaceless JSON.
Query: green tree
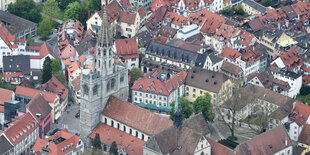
{"x":83,"y":16}
{"x":5,"y":85}
{"x":26,"y":9}
{"x":45,"y":28}
{"x":135,"y":73}
{"x":113,"y":149}
{"x":97,"y":142}
{"x":50,"y":8}
{"x":47,"y":70}
{"x":186,"y":109}
{"x":94,"y":5}
{"x":56,"y":67}
{"x":29,"y":40}
{"x":267,"y":3}
{"x":239,"y":10}
{"x":63,"y":4}
{"x":73,"y":11}
{"x":203,"y":104}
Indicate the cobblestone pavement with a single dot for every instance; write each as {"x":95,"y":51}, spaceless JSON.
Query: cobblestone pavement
{"x":68,"y":120}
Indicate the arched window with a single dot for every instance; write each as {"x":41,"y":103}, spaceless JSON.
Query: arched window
{"x":142,"y":136}
{"x":136,"y":133}
{"x":95,"y":90}
{"x":202,"y":153}
{"x":112,"y":84}
{"x":108,"y":86}
{"x":117,"y":125}
{"x":130,"y":131}
{"x":124,"y":128}
{"x":105,"y":121}
{"x":86,"y":89}
{"x":112,"y":123}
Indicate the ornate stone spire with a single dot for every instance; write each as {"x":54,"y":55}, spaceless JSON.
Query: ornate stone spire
{"x":104,"y":36}
{"x":177,"y":111}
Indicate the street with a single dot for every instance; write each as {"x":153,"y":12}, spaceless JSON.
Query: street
{"x":68,"y":120}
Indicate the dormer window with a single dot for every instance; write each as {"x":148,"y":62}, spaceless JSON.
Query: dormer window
{"x":160,"y":91}
{"x":140,"y":87}
{"x":148,"y":89}
{"x":152,"y":83}
{"x":153,"y":90}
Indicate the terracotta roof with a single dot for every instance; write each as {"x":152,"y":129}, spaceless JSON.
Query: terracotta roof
{"x":291,"y":59}
{"x":30,"y":92}
{"x":21,"y":128}
{"x":301,"y":8}
{"x":205,"y":79}
{"x":5,"y":95}
{"x":226,"y":32}
{"x":230,"y":54}
{"x":268,"y":81}
{"x":131,"y":144}
{"x":44,"y":50}
{"x":270,"y":142}
{"x":38,"y":105}
{"x":127,"y":48}
{"x":300,"y":113}
{"x":68,"y":51}
{"x":113,"y":11}
{"x":157,"y":4}
{"x":56,"y":146}
{"x":217,"y":148}
{"x":306,"y":79}
{"x":156,"y":86}
{"x":231,"y":68}
{"x":304,"y":136}
{"x":213,"y":22}
{"x":167,"y":31}
{"x":127,"y":17}
{"x":273,"y":16}
{"x":6,"y":36}
{"x":76,"y":83}
{"x":55,"y":86}
{"x":135,"y":116}
{"x":158,"y":15}
{"x":142,"y":12}
{"x":245,"y":38}
{"x":73,"y":67}
{"x":256,"y":24}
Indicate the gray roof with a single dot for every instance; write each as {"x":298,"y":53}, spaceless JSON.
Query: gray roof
{"x":86,"y":43}
{"x":14,"y":23}
{"x":201,"y":60}
{"x":5,"y":145}
{"x":17,"y":63}
{"x":214,"y":58}
{"x":255,"y":5}
{"x":289,"y":11}
{"x":143,"y":37}
{"x":171,"y":52}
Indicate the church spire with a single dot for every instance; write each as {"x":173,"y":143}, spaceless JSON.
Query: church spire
{"x":104,"y":36}
{"x":177,"y":110}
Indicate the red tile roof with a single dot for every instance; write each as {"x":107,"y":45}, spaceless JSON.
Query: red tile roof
{"x":44,"y":50}
{"x":56,"y":149}
{"x":73,"y":67}
{"x":230,"y":54}
{"x":39,"y":105}
{"x":21,"y":128}
{"x":113,"y":11}
{"x":76,"y":83}
{"x":127,"y":17}
{"x":306,"y":79}
{"x":5,"y":95}
{"x":213,"y":22}
{"x":56,"y":87}
{"x":217,"y":148}
{"x":142,"y":12}
{"x":131,"y":144}
{"x":301,"y":7}
{"x":127,"y":48}
{"x":68,"y":51}
{"x":302,"y":113}
{"x":159,"y":87}
{"x":291,"y":59}
{"x":136,"y":117}
{"x":6,"y":36}
{"x":304,"y":136}
{"x":157,"y":4}
{"x":30,"y":92}
{"x":273,"y":16}
{"x":245,"y":38}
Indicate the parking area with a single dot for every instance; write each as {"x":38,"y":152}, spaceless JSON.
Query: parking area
{"x":69,"y":120}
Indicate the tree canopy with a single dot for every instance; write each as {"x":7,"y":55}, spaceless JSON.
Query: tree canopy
{"x":113,"y":149}
{"x":56,"y":66}
{"x":50,"y":8}
{"x":47,"y":70}
{"x":73,"y":11}
{"x":135,"y":73}
{"x":97,"y":142}
{"x":26,"y":9}
{"x":45,"y":28}
{"x":64,"y":3}
{"x":186,"y":109}
{"x":203,"y":104}
{"x":94,"y":5}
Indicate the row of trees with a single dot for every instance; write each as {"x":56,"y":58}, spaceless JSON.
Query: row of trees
{"x":201,"y":104}
{"x":46,"y":14}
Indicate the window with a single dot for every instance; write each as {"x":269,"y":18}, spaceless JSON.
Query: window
{"x":124,"y":128}
{"x":194,"y":95}
{"x":142,"y":136}
{"x":128,"y":30}
{"x":201,"y":92}
{"x":140,"y":94}
{"x":135,"y":98}
{"x":122,"y":79}
{"x":194,"y":90}
{"x":136,"y":93}
{"x":146,"y":95}
{"x":112,"y":123}
{"x":136,"y":133}
{"x":130,"y":131}
{"x":133,"y":59}
{"x":187,"y":88}
{"x":118,"y":125}
{"x":105,"y":120}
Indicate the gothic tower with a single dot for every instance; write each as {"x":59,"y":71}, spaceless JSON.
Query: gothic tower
{"x":107,"y":77}
{"x":177,"y":111}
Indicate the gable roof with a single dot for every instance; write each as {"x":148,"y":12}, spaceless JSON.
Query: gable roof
{"x":68,"y":51}
{"x":213,"y":22}
{"x":304,"y":136}
{"x":44,"y":50}
{"x":231,"y":68}
{"x":5,"y":145}
{"x":38,"y":105}
{"x":230,"y":53}
{"x":55,"y":86}
{"x":131,"y":144}
{"x":127,"y":48}
{"x":127,"y":17}
{"x":30,"y":92}
{"x":5,"y":95}
{"x":135,"y":116}
{"x":6,"y":36}
{"x":218,"y":148}
{"x":21,"y":128}
{"x":205,"y":79}
{"x":300,"y":113}
{"x":269,"y":142}
{"x":17,"y":63}
{"x":255,"y":5}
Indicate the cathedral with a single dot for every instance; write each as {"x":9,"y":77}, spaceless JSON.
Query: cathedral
{"x":107,"y":77}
